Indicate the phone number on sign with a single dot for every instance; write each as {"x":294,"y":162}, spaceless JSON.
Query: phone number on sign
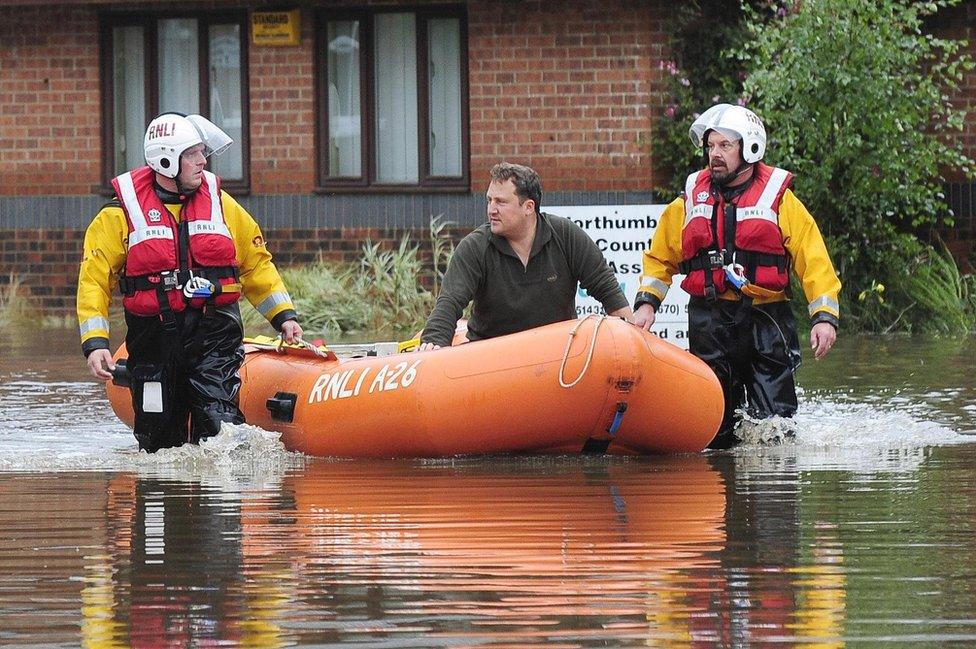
{"x":590,"y":310}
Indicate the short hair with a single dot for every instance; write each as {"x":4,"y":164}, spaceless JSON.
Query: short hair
{"x":525,"y":179}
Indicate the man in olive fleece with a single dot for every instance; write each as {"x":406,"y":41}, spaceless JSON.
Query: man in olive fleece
{"x":521,"y":268}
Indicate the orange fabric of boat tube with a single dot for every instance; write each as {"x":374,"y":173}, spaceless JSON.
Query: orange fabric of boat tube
{"x":597,"y":384}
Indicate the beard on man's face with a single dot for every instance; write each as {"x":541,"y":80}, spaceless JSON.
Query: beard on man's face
{"x":721,"y":174}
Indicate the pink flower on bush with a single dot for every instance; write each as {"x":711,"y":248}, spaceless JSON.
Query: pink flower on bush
{"x":669,"y":111}
{"x":670,"y":66}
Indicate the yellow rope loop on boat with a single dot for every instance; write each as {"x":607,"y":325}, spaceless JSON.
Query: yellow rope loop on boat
{"x":318,"y":351}
{"x":589,"y":354}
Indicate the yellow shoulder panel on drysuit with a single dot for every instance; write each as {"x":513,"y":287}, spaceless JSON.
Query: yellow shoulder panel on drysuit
{"x":660,"y":260}
{"x":102,"y":261}
{"x":811,"y":261}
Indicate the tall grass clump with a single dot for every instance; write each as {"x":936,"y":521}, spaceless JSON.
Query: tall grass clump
{"x":389,"y":291}
{"x":381,"y":295}
{"x":926,"y":294}
{"x":942,"y":293}
{"x":441,"y":247}
{"x":15,"y":310}
{"x":969,"y":286}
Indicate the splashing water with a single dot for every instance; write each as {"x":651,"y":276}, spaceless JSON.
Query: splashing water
{"x":829,"y":434}
{"x":238,"y":450}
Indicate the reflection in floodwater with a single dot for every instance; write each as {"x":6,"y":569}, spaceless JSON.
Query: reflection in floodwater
{"x":581,"y":552}
{"x":712,"y":549}
{"x":353,"y":551}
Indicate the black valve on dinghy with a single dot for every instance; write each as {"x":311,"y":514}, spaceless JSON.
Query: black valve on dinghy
{"x":120,"y":375}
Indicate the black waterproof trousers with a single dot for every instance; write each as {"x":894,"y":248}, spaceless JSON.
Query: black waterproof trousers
{"x":753,"y":350}
{"x":185,"y":378}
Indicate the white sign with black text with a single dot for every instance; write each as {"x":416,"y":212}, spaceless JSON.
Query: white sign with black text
{"x":623,"y":233}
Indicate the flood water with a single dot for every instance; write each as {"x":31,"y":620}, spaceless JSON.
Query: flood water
{"x":862,"y":531}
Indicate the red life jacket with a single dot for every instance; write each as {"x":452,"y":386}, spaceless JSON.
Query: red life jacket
{"x":154,"y":264}
{"x":758,"y":241}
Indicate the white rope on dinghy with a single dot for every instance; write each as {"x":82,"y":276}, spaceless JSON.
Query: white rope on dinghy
{"x":589,"y":354}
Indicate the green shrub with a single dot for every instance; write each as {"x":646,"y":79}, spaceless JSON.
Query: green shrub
{"x":856,"y":100}
{"x":694,"y":79}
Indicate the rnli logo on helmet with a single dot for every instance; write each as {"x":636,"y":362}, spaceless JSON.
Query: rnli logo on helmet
{"x":155,"y":216}
{"x":702,"y":197}
{"x":165,"y":129}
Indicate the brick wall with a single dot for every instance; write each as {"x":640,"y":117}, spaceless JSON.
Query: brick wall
{"x":960,"y":23}
{"x":47,"y":262}
{"x":49,"y":100}
{"x":572,"y":96}
{"x":572,"y":88}
{"x":282,"y":94}
{"x":564,"y":87}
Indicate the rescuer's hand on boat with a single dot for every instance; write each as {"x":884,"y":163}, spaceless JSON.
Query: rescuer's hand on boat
{"x":100,"y":364}
{"x":644,"y":317}
{"x":291,"y":331}
{"x":426,"y":347}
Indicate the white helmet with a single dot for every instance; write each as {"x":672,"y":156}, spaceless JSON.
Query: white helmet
{"x":735,"y":122}
{"x":170,"y":134}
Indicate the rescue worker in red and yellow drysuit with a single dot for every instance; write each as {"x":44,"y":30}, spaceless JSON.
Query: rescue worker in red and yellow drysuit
{"x":735,"y":233}
{"x":181,"y":251}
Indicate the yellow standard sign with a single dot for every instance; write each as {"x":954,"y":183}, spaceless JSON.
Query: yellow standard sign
{"x":276,"y":27}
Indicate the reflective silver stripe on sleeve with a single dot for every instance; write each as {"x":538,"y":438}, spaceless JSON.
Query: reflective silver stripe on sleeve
{"x":655,"y":284}
{"x":824,"y":302}
{"x":775,"y":184}
{"x":270,"y":302}
{"x":91,"y":324}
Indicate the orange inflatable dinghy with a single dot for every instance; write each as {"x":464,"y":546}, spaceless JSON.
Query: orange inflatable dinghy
{"x":597,"y":385}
